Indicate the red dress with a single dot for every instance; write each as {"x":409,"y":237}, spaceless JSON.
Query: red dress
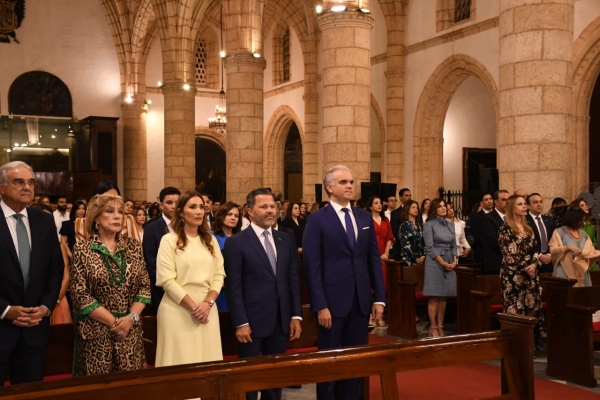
{"x":383,"y":232}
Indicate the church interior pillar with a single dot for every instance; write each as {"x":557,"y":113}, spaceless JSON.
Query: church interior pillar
{"x":134,"y":150}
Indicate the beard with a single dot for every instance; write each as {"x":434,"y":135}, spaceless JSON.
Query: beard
{"x":62,"y":209}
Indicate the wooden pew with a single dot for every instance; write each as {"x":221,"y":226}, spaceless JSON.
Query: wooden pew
{"x":465,"y":282}
{"x":59,"y":360}
{"x":230,"y":380}
{"x":571,"y":340}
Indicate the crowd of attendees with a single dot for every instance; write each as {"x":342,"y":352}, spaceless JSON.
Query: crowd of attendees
{"x":171,"y":258}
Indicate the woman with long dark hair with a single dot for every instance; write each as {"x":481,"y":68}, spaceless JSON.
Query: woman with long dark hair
{"x":588,"y":227}
{"x":189,"y":268}
{"x":294,"y":221}
{"x":411,"y":234}
{"x":227,"y":223}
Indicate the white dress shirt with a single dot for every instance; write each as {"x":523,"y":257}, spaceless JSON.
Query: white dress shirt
{"x":537,"y":226}
{"x":342,"y":216}
{"x":168,"y":222}
{"x":58,"y":220}
{"x":259,"y":232}
{"x":502,"y":216}
{"x":12,"y":227}
{"x":461,"y":240}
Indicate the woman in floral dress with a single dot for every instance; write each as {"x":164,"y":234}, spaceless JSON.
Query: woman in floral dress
{"x":519,"y":275}
{"x":411,"y":235}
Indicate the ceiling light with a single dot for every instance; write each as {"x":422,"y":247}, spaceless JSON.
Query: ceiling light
{"x":222,"y":54}
{"x":159,"y":84}
{"x":365,"y":10}
{"x":338,"y":8}
{"x":319,"y":9}
{"x":148,"y":101}
{"x":186,"y":86}
{"x":9,"y":150}
{"x":256,"y":54}
{"x":128,"y":99}
{"x":53,"y":137}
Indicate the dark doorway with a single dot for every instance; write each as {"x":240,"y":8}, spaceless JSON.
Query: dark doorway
{"x":210,"y":169}
{"x":292,"y":165}
{"x":594,"y":148}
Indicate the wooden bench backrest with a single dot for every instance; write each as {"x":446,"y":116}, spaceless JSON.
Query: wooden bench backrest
{"x":490,"y":284}
{"x":415,"y":273}
{"x":595,"y":275}
{"x":230,"y":380}
{"x":586,"y":296}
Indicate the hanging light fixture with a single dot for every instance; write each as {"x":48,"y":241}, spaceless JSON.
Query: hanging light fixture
{"x":218,"y":123}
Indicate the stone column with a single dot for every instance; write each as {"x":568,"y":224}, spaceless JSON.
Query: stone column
{"x":534,"y":134}
{"x":134,"y":150}
{"x":180,"y":138}
{"x":244,"y":125}
{"x":346,"y":91}
{"x":311,"y":170}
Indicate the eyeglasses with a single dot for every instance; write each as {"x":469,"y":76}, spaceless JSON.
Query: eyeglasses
{"x":20,"y":183}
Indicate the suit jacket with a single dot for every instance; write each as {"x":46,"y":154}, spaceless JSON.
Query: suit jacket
{"x":475,"y":223}
{"x":334,"y":271}
{"x":396,"y":221}
{"x":153,"y":233}
{"x":548,"y":223}
{"x":45,"y":278}
{"x":489,"y":229}
{"x":287,"y":230}
{"x":255,"y":294}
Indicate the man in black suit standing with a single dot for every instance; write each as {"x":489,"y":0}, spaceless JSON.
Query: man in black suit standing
{"x":475,"y":222}
{"x":543,"y":228}
{"x":154,"y":230}
{"x":489,"y":230}
{"x":395,"y":220}
{"x":31,"y":272}
{"x":262,"y":285}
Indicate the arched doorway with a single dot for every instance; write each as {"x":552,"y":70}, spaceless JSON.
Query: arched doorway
{"x":292,"y":164}
{"x":210,"y":168}
{"x":594,"y":146}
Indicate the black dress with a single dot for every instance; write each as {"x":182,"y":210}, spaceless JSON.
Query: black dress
{"x":68,"y":230}
{"x":298,"y":229}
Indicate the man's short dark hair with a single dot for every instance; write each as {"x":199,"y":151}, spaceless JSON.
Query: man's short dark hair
{"x":402,"y":191}
{"x":497,"y":193}
{"x":168,"y":191}
{"x":485,"y":194}
{"x":557,"y":201}
{"x":532,"y":194}
{"x":60,"y":196}
{"x":251,"y":198}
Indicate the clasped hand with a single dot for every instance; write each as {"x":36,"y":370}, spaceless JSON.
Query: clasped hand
{"x":121,"y":327}
{"x":200,"y":312}
{"x":26,"y":317}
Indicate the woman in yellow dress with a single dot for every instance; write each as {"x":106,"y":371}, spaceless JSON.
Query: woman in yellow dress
{"x":190,"y":269}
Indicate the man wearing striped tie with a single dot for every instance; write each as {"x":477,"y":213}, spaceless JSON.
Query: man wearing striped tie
{"x":31,"y":271}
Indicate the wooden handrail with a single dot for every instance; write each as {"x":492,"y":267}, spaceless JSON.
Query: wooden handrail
{"x":231,"y":379}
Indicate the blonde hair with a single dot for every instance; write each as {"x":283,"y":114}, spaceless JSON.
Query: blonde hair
{"x":512,"y":219}
{"x":96,"y":206}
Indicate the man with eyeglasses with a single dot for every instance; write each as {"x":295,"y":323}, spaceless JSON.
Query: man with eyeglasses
{"x":31,"y":274}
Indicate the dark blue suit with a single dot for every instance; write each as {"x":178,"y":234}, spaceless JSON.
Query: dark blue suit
{"x":259,"y":297}
{"x":153,"y":233}
{"x":346,"y":281}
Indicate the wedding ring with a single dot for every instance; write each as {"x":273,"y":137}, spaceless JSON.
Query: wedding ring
{"x":120,"y":332}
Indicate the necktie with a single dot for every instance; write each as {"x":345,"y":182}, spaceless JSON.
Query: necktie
{"x":543,"y":237}
{"x":349,"y":228}
{"x":24,"y":247}
{"x":270,"y":252}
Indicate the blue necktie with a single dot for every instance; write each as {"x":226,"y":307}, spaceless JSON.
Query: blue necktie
{"x":270,"y":252}
{"x":349,"y":228}
{"x":24,"y":247}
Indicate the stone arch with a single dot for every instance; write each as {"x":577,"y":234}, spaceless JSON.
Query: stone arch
{"x":431,"y":114}
{"x":205,"y":133}
{"x":273,"y":148}
{"x":281,"y":35}
{"x":213,"y":76}
{"x":379,"y":114}
{"x":586,"y":69}
{"x":40,"y":93}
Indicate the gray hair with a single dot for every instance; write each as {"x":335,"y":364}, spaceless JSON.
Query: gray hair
{"x":328,"y":178}
{"x":251,"y":198}
{"x":12,"y":165}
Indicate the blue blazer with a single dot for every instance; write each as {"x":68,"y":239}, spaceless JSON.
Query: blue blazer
{"x":153,"y":233}
{"x":334,"y":272}
{"x":254,"y":293}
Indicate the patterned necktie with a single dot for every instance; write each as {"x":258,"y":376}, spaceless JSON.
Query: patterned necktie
{"x":270,"y":252}
{"x":543,"y":237}
{"x":24,"y":247}
{"x":349,"y":228}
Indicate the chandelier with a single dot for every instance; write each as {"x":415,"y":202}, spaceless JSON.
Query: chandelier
{"x":218,"y":123}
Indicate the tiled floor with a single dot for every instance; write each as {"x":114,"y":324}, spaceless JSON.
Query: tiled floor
{"x":307,"y":392}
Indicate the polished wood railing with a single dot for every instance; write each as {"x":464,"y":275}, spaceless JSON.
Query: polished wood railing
{"x":231,"y":379}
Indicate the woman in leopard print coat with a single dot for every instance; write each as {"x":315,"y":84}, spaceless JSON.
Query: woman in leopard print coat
{"x":109,"y":289}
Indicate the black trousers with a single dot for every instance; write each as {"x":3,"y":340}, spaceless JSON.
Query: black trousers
{"x":25,"y":363}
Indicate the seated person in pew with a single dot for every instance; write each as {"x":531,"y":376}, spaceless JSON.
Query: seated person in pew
{"x":520,"y":276}
{"x":572,"y":250}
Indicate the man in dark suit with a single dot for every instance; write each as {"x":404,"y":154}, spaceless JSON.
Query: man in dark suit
{"x":543,"y":228}
{"x":395,"y":221}
{"x":489,"y":229}
{"x":262,"y":285}
{"x":31,"y":272}
{"x":343,"y":273}
{"x":153,"y":233}
{"x":474,"y":224}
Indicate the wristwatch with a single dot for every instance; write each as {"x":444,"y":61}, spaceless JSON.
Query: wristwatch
{"x":134,"y":317}
{"x":210,"y":302}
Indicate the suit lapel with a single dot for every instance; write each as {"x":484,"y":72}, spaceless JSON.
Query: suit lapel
{"x":279,"y":248}
{"x":337,"y":224}
{"x":7,"y":238}
{"x":255,"y":243}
